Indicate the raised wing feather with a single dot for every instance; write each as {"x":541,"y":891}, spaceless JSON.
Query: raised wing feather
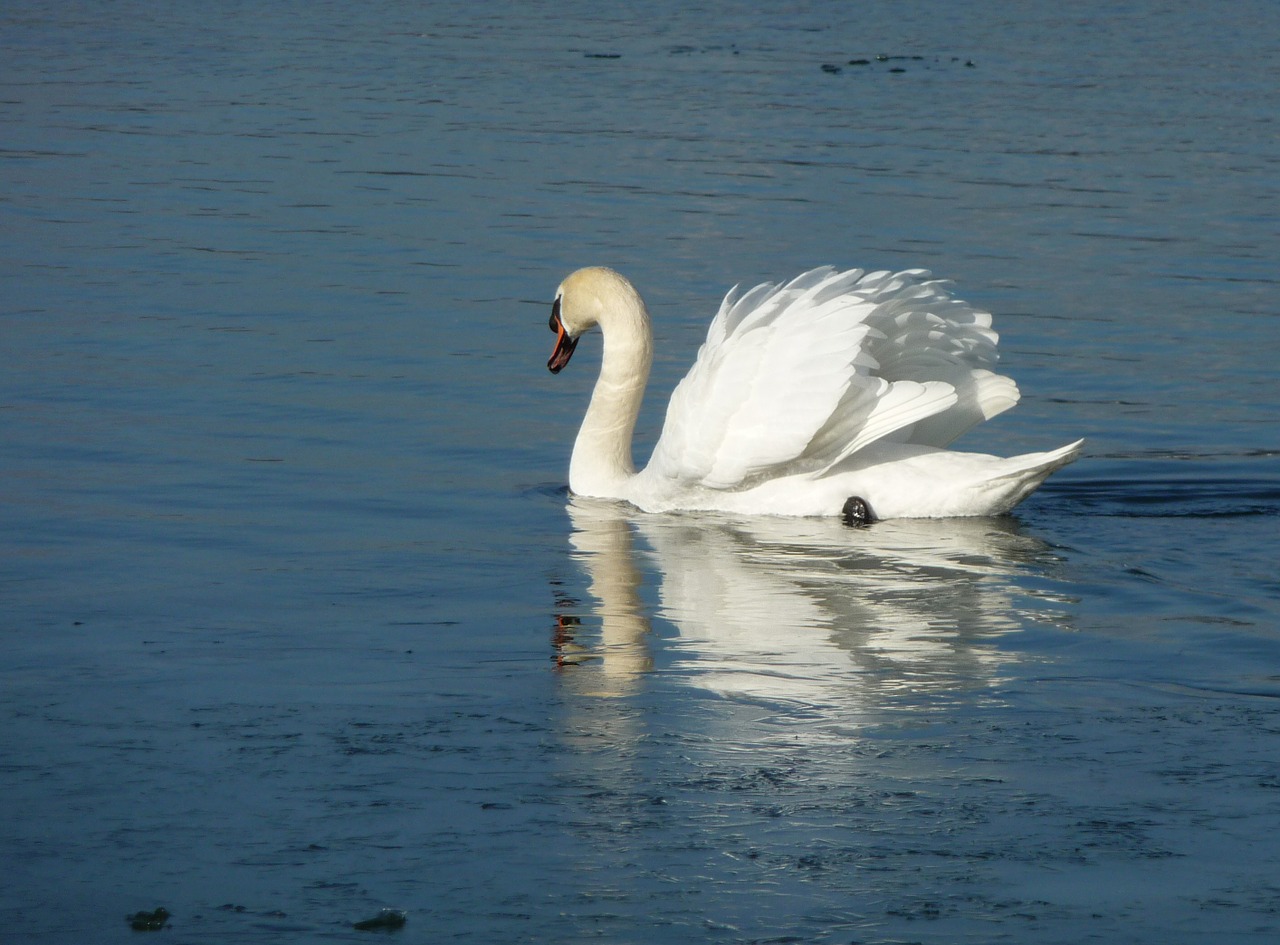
{"x":929,"y":335}
{"x":795,"y":378}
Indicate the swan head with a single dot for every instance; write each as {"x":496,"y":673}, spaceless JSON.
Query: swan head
{"x":585,"y":299}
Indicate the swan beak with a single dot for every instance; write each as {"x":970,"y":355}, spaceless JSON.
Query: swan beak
{"x":565,"y":343}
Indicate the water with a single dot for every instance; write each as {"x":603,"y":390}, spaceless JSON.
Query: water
{"x":300,"y":623}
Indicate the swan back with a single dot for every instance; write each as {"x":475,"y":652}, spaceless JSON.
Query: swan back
{"x":797,"y":377}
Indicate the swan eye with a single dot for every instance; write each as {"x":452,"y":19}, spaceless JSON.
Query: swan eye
{"x":554,"y":324}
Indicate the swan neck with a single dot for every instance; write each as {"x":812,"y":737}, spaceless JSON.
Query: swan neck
{"x":602,"y":464}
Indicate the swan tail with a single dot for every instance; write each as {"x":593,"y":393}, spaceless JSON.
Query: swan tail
{"x":1024,"y":474}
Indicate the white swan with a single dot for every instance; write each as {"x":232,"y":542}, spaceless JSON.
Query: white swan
{"x":826,"y":395}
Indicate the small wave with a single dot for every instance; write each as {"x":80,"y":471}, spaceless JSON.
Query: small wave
{"x":547,"y":490}
{"x":1172,"y":497}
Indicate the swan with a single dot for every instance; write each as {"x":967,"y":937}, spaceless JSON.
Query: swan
{"x":833,"y":394}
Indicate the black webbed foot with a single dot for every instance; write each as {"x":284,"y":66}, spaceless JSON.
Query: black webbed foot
{"x":856,"y":513}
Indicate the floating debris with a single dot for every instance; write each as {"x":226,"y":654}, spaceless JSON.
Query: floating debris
{"x":683,"y":50}
{"x":886,"y":59}
{"x":149,"y":921}
{"x":385,"y":921}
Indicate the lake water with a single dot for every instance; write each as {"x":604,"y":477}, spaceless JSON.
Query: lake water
{"x":300,"y":623}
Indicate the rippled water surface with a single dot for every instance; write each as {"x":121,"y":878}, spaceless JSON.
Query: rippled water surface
{"x":300,"y":622}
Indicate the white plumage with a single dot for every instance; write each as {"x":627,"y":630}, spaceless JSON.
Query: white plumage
{"x":832,"y":385}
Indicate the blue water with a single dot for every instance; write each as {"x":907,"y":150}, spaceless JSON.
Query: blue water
{"x":300,"y":622}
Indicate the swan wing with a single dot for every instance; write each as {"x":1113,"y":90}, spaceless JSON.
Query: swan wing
{"x":929,"y":335}
{"x":795,"y":377}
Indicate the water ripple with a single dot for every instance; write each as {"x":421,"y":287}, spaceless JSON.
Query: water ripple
{"x":1174,"y":498}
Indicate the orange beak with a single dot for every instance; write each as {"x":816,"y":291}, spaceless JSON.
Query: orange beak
{"x":565,"y":343}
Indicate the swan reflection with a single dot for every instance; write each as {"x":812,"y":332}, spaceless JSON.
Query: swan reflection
{"x":792,"y":611}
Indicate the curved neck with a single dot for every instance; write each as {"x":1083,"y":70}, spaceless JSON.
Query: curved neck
{"x":601,"y":463}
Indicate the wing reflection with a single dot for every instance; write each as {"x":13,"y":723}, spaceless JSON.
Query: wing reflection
{"x":787,"y":611}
